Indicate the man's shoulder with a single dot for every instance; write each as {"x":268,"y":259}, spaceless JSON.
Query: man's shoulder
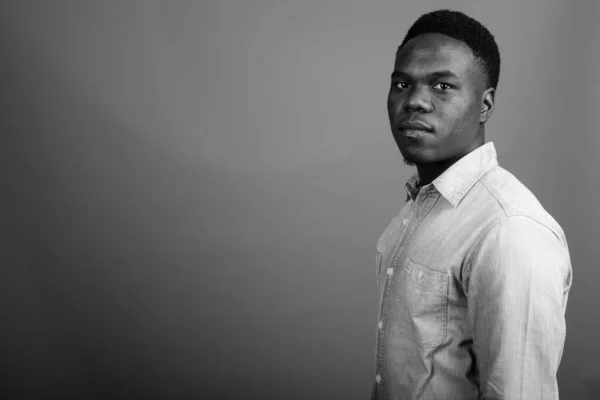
{"x":511,"y":198}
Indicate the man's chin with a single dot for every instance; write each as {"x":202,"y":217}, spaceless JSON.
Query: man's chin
{"x":418,"y":158}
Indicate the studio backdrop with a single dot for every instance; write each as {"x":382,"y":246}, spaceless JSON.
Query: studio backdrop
{"x":191,"y":191}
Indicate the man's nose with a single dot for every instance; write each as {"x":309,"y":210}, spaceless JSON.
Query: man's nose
{"x":418,"y":100}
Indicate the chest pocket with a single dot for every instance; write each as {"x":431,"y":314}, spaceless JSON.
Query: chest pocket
{"x":421,"y":304}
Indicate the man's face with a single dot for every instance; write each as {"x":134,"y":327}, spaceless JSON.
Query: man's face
{"x":435,"y":99}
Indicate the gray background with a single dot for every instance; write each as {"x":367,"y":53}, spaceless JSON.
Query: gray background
{"x":192,"y":191}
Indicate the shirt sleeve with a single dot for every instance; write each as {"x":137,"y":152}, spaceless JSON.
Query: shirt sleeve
{"x":518,"y":283}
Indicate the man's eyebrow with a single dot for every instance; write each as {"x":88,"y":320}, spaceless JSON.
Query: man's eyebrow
{"x":433,"y":75}
{"x":443,"y":74}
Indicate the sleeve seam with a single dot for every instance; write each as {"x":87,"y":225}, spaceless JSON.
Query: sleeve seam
{"x":484,"y":232}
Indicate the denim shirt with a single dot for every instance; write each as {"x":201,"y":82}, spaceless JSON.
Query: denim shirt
{"x":473,"y":277}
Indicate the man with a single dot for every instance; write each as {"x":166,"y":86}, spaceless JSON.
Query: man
{"x":473,"y":273}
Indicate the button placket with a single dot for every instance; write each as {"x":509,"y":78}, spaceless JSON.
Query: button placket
{"x":396,"y":256}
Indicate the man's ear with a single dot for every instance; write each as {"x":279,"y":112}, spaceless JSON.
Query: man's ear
{"x":487,"y":105}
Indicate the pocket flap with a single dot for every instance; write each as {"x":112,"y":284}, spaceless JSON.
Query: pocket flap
{"x":426,"y":279}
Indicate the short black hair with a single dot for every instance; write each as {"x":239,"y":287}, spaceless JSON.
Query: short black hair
{"x":461,"y":27}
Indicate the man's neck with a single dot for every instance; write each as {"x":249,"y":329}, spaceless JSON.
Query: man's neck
{"x":429,"y":172}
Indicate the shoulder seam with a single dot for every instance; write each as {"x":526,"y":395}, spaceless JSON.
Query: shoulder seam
{"x":517,"y":213}
{"x":495,"y":194}
{"x":484,"y":232}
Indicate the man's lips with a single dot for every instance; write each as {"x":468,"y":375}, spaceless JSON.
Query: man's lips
{"x":415,"y":126}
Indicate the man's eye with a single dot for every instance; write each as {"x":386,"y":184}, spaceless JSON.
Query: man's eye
{"x":401,"y":85}
{"x":442,"y":86}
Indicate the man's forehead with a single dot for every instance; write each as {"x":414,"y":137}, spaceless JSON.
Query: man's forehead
{"x":433,"y":51}
{"x":434,"y":43}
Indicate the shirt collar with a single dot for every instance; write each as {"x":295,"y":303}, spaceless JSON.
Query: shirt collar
{"x":459,"y":178}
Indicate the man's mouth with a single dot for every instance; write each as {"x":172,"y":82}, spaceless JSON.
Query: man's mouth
{"x":414,"y":126}
{"x":413,"y":134}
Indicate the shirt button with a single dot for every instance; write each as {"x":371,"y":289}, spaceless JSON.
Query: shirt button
{"x":405,"y":221}
{"x":378,"y":378}
{"x":390,"y":271}
{"x":380,"y":325}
